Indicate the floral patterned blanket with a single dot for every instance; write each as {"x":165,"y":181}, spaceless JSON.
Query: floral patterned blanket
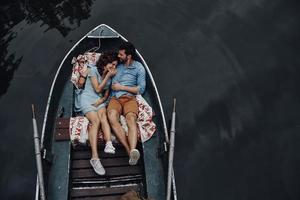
{"x":146,"y":127}
{"x":80,"y":64}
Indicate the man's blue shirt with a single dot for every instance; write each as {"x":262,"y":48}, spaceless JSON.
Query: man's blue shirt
{"x":133,"y":75}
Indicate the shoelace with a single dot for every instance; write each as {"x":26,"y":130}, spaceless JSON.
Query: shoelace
{"x":96,"y":163}
{"x":110,"y":146}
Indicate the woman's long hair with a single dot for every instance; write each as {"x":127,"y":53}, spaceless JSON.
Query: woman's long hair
{"x":105,"y":58}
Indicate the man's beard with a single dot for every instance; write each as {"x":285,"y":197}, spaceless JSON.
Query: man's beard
{"x":122,"y":61}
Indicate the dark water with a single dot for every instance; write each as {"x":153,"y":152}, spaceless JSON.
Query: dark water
{"x":233,"y":65}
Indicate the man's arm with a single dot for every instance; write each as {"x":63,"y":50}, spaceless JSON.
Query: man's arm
{"x":118,"y":86}
{"x":141,"y":82}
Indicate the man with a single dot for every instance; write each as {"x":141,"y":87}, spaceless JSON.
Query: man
{"x":129,"y":81}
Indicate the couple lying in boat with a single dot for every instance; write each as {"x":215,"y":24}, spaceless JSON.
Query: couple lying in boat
{"x":110,"y":89}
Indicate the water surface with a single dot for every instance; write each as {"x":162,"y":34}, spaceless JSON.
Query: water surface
{"x":233,"y":65}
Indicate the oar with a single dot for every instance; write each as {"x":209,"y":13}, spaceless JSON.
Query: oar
{"x":171,"y":177}
{"x":38,"y":155}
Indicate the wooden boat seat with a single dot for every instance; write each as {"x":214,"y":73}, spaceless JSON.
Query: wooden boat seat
{"x":62,"y":129}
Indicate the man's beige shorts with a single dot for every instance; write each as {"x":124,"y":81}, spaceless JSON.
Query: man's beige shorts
{"x":123,"y":105}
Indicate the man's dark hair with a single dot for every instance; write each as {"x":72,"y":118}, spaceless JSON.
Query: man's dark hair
{"x":129,"y":49}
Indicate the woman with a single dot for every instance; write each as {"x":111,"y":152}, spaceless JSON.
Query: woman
{"x":93,"y":105}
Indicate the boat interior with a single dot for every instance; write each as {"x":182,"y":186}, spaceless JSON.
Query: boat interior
{"x":67,"y":172}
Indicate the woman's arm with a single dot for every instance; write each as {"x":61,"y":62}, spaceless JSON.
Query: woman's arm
{"x":106,"y":94}
{"x":82,"y":77}
{"x":99,"y":87}
{"x":101,"y":100}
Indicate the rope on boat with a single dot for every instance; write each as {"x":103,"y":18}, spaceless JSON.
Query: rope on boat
{"x":94,"y":49}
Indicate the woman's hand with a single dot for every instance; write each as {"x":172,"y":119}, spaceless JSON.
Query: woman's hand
{"x":105,"y":71}
{"x":111,"y":72}
{"x":84,"y":72}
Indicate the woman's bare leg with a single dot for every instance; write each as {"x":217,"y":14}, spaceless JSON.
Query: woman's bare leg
{"x":104,"y":124}
{"x":93,"y":132}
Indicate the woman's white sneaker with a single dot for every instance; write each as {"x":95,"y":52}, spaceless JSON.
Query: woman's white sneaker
{"x":109,"y":148}
{"x":98,"y":168}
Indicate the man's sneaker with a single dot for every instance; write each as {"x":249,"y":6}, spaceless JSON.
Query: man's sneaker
{"x":98,"y":168}
{"x":134,"y":156}
{"x":109,"y":148}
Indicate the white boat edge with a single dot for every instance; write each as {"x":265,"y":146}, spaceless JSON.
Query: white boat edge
{"x":55,"y":78}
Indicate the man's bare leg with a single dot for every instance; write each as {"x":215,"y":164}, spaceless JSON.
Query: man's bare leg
{"x":132,"y":129}
{"x":132,"y":138}
{"x":114,"y":117}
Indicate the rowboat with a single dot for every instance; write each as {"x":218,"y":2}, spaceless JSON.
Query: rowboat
{"x":67,"y":173}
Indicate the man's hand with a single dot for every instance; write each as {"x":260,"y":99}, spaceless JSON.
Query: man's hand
{"x":117,"y":87}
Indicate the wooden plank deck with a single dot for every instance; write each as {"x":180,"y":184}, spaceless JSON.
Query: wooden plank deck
{"x":120,"y":177}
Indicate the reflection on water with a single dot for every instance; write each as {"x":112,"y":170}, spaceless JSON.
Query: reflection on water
{"x":61,"y":16}
{"x":245,"y":139}
{"x":57,"y":14}
{"x":233,"y":66}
